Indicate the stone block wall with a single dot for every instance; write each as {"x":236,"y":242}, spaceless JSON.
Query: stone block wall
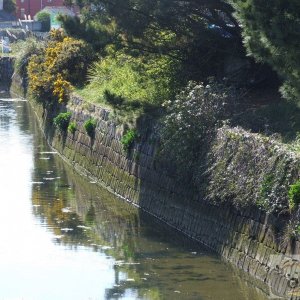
{"x":249,"y":238}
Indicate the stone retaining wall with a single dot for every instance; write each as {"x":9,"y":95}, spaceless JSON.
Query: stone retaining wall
{"x":249,"y":238}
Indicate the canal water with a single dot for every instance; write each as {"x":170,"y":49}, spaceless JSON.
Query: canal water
{"x":62,"y":237}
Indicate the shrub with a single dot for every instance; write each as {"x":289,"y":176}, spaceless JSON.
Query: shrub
{"x":90,"y":126}
{"x":191,"y":123}
{"x":294,"y":195}
{"x":72,"y":58}
{"x":62,"y":121}
{"x":44,"y":18}
{"x":24,"y":50}
{"x":9,"y":6}
{"x":62,"y":62}
{"x":120,"y":78}
{"x":56,"y":35}
{"x":40,"y":79}
{"x":72,"y":127}
{"x":128,"y":139}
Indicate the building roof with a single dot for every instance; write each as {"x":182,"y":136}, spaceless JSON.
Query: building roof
{"x":4,"y":16}
{"x":59,"y":10}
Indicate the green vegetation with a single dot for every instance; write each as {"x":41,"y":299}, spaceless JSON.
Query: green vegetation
{"x":271,"y":34}
{"x":280,"y":117}
{"x":248,"y":169}
{"x":62,"y":120}
{"x":190,"y":125}
{"x":291,"y":231}
{"x":150,"y":51}
{"x":44,"y":18}
{"x":72,"y":127}
{"x":120,"y":78}
{"x":90,"y":126}
{"x":131,"y":86}
{"x":24,"y":50}
{"x":9,"y":6}
{"x":60,"y":64}
{"x":294,"y":195}
{"x":184,"y":64}
{"x":265,"y":191}
{"x":128,"y":139}
{"x":176,"y":27}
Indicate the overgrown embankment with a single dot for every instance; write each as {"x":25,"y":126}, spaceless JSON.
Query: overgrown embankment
{"x":252,"y":169}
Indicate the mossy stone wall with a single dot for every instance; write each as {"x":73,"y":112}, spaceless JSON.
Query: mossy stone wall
{"x":247,"y":237}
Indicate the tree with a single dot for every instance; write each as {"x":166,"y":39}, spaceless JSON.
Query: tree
{"x":271,"y":34}
{"x":167,"y":13}
{"x":98,"y":31}
{"x":44,"y":18}
{"x":199,"y":33}
{"x":9,"y":6}
{"x":135,"y":17}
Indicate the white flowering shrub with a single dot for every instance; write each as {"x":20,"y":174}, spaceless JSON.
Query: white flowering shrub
{"x":191,"y":123}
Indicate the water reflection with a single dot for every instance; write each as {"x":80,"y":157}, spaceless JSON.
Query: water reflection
{"x":65,"y":238}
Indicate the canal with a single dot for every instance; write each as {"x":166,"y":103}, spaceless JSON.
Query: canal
{"x":62,"y":237}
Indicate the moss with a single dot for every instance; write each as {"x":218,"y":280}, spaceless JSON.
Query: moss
{"x":61,"y":121}
{"x":90,"y":126}
{"x":72,"y":127}
{"x":128,"y":139}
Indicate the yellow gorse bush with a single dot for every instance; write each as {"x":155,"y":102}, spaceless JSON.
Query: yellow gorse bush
{"x":61,"y":89}
{"x":47,"y":78}
{"x":40,"y":78}
{"x":57,"y":35}
{"x":55,"y":48}
{"x":63,"y":62}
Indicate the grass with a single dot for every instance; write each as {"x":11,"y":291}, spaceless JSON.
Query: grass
{"x":91,"y":95}
{"x":130,"y":86}
{"x":72,"y":127}
{"x":89,"y":127}
{"x":62,"y":120}
{"x":127,"y":112}
{"x":294,"y":195}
